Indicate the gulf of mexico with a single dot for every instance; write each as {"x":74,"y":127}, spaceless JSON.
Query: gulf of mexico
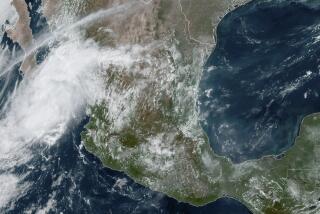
{"x":262,"y":78}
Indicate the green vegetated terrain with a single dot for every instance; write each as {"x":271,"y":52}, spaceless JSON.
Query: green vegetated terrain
{"x":148,"y":126}
{"x":268,"y":185}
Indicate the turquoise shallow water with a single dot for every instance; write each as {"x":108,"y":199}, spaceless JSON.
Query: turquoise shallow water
{"x":262,"y":78}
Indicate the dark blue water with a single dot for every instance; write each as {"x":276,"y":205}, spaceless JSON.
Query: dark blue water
{"x":38,"y":22}
{"x":262,"y":78}
{"x":76,"y":182}
{"x":7,"y":42}
{"x":9,"y":80}
{"x":38,"y":25}
{"x":66,"y":178}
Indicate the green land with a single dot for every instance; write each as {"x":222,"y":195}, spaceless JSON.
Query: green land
{"x":148,"y":125}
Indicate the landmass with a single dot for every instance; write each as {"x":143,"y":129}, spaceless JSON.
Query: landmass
{"x":148,"y":125}
{"x":154,"y":135}
{"x":20,"y":32}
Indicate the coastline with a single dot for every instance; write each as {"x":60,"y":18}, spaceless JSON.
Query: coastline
{"x":258,"y":169}
{"x":247,"y":169}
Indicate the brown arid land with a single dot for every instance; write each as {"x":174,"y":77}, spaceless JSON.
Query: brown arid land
{"x":148,"y":125}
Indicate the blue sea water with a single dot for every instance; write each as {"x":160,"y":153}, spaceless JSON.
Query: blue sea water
{"x":65,"y":178}
{"x":10,"y":79}
{"x":67,"y":175}
{"x":264,"y":49}
{"x":262,"y":78}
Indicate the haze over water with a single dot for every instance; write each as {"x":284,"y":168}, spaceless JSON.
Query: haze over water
{"x":57,"y":174}
{"x":262,"y":78}
{"x":44,"y":167}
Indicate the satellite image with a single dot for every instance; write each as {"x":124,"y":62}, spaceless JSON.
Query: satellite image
{"x":160,"y":106}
